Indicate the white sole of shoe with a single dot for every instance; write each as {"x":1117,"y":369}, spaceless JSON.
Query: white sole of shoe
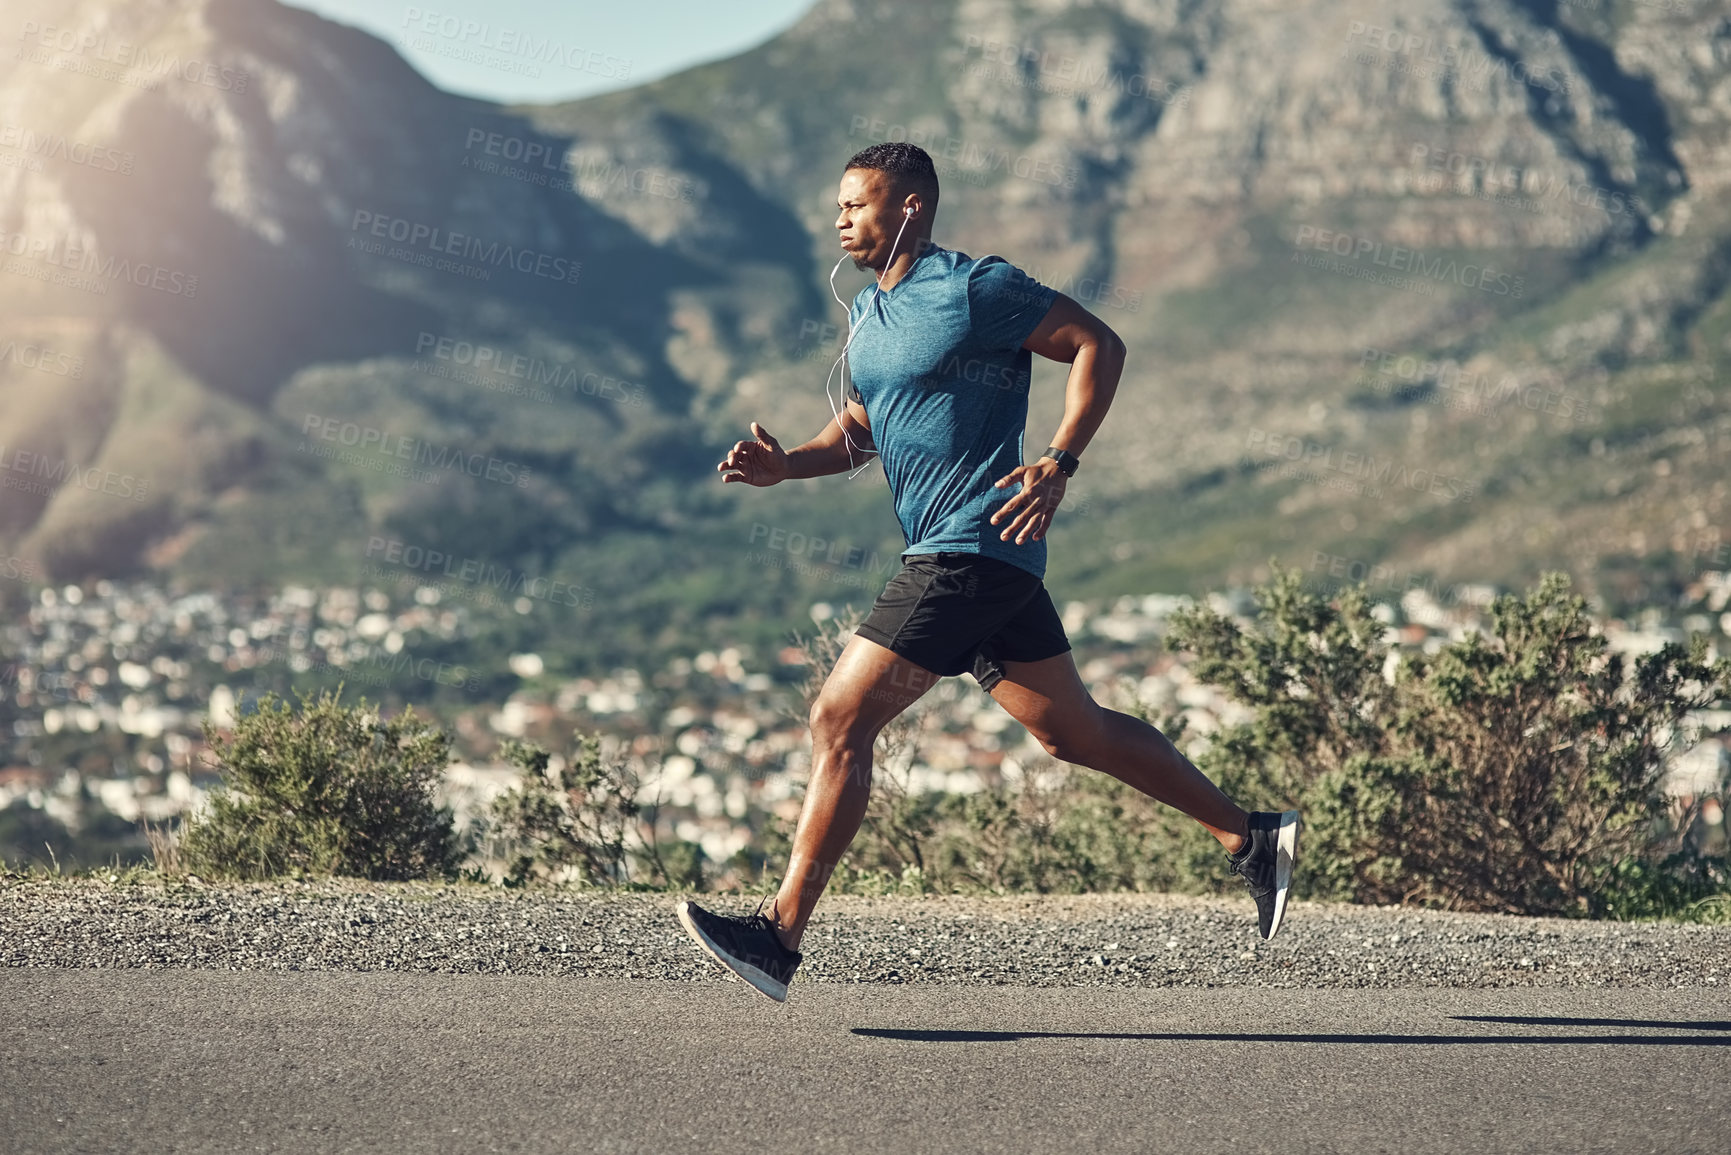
{"x":764,"y":983}
{"x":1285,"y":851}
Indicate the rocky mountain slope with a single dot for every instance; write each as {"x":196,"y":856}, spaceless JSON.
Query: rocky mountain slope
{"x":300,"y":307}
{"x":1434,"y":287}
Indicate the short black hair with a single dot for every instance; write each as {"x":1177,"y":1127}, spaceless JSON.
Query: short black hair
{"x":909,"y":165}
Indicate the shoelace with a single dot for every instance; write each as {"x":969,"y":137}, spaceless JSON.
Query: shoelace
{"x":753,"y":921}
{"x":1244,"y":869}
{"x":759,"y":921}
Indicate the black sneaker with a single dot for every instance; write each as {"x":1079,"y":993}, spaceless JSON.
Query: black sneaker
{"x":749,"y":947}
{"x":1266,"y":864}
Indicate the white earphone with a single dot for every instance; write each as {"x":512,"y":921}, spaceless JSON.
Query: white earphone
{"x":907,"y":215}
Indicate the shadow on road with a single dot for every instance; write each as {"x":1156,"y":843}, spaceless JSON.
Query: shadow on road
{"x":1426,"y":1040}
{"x":1533,"y":1021}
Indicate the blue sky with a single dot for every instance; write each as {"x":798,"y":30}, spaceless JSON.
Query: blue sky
{"x":492,"y":48}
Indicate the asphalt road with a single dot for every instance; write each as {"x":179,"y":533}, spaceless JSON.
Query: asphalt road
{"x":190,"y":1060}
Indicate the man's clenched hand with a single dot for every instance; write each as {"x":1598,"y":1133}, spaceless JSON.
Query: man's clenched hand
{"x":759,"y":462}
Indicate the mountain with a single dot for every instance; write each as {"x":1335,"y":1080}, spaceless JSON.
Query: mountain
{"x":282,"y":262}
{"x":1428,"y":290}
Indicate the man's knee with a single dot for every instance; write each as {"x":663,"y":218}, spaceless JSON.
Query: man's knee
{"x":836,"y":722}
{"x":1075,"y":740}
{"x":1065,"y":748}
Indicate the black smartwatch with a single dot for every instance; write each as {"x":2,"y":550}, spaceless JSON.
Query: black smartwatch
{"x":1067,"y":461}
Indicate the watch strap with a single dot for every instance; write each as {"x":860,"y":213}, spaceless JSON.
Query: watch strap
{"x":1067,"y":461}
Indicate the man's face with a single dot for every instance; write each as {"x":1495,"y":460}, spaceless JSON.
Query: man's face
{"x":870,"y":216}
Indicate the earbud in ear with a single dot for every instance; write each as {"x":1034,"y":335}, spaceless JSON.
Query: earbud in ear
{"x":908,"y":211}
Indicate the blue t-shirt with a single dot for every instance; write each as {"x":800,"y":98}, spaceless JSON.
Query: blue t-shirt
{"x":940,"y":368}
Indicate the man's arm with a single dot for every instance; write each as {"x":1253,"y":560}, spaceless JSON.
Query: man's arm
{"x":1095,"y":354}
{"x":829,"y":451}
{"x":762,"y":461}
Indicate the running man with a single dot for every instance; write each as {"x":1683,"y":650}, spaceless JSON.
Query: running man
{"x":940,"y":354}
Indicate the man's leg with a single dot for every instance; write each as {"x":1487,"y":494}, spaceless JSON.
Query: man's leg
{"x":868,"y":687}
{"x":1048,"y":697}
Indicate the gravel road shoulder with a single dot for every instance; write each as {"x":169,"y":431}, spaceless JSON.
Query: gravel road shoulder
{"x":1125,"y":940}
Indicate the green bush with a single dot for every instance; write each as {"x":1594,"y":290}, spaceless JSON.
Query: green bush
{"x":1060,"y":830}
{"x":584,"y":820}
{"x":1516,"y":772}
{"x":330,"y":790}
{"x":1685,"y":886}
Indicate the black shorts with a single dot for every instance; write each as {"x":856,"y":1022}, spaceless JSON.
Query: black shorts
{"x":958,"y":613}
